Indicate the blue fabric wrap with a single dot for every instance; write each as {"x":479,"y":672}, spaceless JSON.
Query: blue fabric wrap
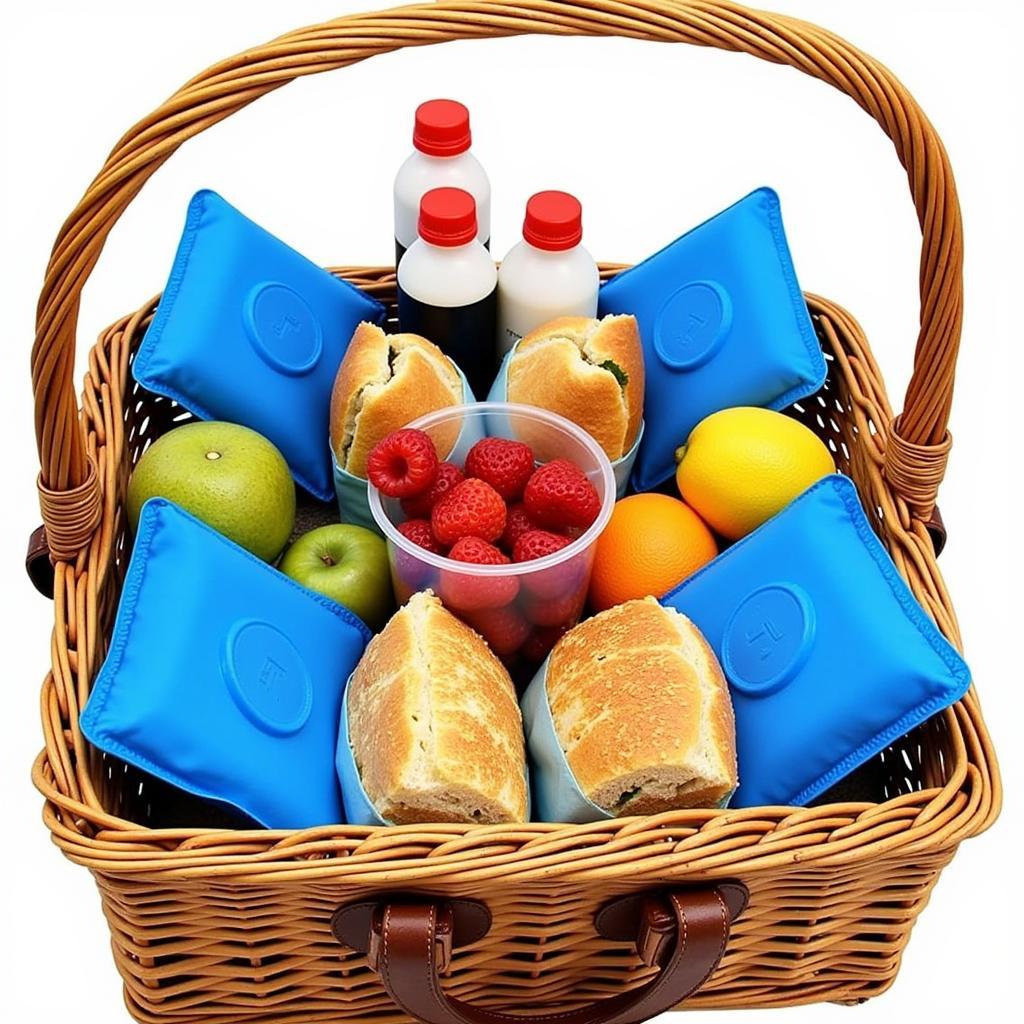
{"x":224,"y":677}
{"x":621,"y":467}
{"x":351,"y":490}
{"x":555,"y":791}
{"x":250,"y":331}
{"x":723,"y":323}
{"x":828,"y":655}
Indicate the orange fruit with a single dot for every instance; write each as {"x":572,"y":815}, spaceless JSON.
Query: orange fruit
{"x":651,"y":543}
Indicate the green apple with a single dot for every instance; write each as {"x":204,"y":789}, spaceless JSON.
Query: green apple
{"x":228,"y":476}
{"x":348,"y":564}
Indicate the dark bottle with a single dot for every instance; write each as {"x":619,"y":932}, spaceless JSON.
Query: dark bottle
{"x":447,"y":286}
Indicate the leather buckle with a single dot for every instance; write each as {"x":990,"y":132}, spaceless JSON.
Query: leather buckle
{"x":655,"y":931}
{"x":444,"y":927}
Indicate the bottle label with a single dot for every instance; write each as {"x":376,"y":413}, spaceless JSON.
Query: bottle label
{"x":464,"y":333}
{"x":401,"y":249}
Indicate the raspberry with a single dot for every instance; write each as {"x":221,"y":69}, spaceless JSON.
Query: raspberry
{"x":470,"y":509}
{"x":517,"y":522}
{"x":468,"y":593}
{"x":505,"y":465}
{"x":536,"y":544}
{"x":420,"y":533}
{"x":541,"y":641}
{"x":560,"y":496}
{"x":504,"y":629}
{"x":420,"y":507}
{"x":403,"y":464}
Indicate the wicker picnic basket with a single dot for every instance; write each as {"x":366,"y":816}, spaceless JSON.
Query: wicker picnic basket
{"x":223,"y":925}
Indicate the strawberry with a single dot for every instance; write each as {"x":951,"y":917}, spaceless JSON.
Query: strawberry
{"x":504,"y":629}
{"x":472,"y":508}
{"x":468,"y":593}
{"x":563,"y":610}
{"x":420,"y":506}
{"x":517,"y":522}
{"x":536,"y":544}
{"x":505,"y":465}
{"x":403,"y":464}
{"x":541,"y":641}
{"x":560,"y":496}
{"x":420,"y":533}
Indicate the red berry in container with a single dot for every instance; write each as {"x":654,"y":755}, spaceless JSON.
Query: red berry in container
{"x":420,"y":506}
{"x":504,"y":629}
{"x":538,"y":544}
{"x":469,"y":593}
{"x":559,"y":497}
{"x":541,"y":641}
{"x":517,"y":522}
{"x":472,"y":508}
{"x":420,"y":533}
{"x":563,"y":610}
{"x":505,"y":465}
{"x":403,"y":464}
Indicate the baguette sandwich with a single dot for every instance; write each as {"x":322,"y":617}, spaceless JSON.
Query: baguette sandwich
{"x":433,"y":723}
{"x":590,"y":371}
{"x":642,"y":711}
{"x":384,"y":382}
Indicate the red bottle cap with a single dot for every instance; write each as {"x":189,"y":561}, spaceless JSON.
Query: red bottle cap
{"x":447,"y":217}
{"x":554,"y":221}
{"x":442,"y":128}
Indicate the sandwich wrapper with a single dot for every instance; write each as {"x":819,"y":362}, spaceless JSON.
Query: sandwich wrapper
{"x":351,"y":490}
{"x":828,"y":655}
{"x":250,"y":331}
{"x":498,"y":426}
{"x":556,"y":794}
{"x":723,"y":323}
{"x":223,"y":675}
{"x":359,"y":809}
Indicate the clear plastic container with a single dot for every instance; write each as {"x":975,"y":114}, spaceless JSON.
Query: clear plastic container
{"x":522,"y":608}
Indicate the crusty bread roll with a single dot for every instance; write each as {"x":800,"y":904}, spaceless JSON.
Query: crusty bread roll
{"x":642,"y":711}
{"x":434,"y":724}
{"x":566,"y":366}
{"x":384,"y":382}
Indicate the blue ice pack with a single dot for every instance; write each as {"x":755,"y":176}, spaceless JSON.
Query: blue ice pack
{"x":828,"y":655}
{"x":723,"y":323}
{"x":249,"y":330}
{"x":225,"y":677}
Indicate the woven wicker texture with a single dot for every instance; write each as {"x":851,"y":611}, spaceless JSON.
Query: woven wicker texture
{"x":223,"y":924}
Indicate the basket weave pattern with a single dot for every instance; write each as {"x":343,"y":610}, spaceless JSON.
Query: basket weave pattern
{"x":220,"y":925}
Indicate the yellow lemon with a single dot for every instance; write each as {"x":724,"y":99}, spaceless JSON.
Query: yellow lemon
{"x":740,"y":466}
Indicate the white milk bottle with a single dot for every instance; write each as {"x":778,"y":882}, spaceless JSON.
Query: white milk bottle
{"x":441,"y":158}
{"x":447,"y":286}
{"x":548,"y":274}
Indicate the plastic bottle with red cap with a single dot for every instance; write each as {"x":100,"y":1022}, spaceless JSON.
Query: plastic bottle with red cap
{"x":549,"y":273}
{"x":447,"y":285}
{"x":441,"y":158}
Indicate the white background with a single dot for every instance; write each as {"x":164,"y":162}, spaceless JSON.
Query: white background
{"x":653,"y":139}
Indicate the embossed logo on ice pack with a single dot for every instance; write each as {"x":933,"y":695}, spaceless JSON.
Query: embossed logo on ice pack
{"x":283,"y":330}
{"x":768,"y":638}
{"x":267,"y":677}
{"x":692,"y":324}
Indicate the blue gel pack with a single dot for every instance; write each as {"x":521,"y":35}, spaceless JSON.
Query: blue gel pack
{"x":225,"y":677}
{"x":828,"y":655}
{"x":250,"y":331}
{"x":723,"y":323}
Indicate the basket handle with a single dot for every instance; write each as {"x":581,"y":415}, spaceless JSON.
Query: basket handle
{"x":409,"y":942}
{"x":918,"y":442}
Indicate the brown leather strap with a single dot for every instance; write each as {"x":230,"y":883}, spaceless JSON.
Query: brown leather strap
{"x":37,"y":562}
{"x":684,"y":932}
